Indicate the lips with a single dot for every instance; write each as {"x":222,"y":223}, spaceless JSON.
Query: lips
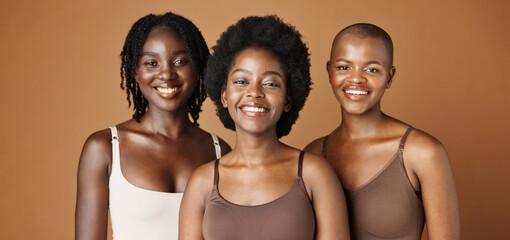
{"x":356,"y":93}
{"x":254,"y":109}
{"x":167,"y":92}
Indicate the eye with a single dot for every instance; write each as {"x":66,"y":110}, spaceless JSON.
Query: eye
{"x":372,"y":70}
{"x":272,"y":84}
{"x":181,"y":62}
{"x":342,"y":67}
{"x":240,"y":82}
{"x":150,"y":63}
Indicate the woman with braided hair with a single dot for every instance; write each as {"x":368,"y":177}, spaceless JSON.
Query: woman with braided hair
{"x":163,"y":62}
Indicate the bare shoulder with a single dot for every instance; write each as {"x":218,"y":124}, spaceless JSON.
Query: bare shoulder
{"x":199,"y":186}
{"x":319,"y":177}
{"x":97,"y":147}
{"x":422,"y":151}
{"x":316,"y":168}
{"x":314,"y":162}
{"x":202,"y":177}
{"x":315,"y":146}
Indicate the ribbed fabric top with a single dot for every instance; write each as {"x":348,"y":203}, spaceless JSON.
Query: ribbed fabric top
{"x":290,"y":216}
{"x":386,"y":207}
{"x":138,"y":213}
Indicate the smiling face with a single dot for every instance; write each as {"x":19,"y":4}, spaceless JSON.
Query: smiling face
{"x":359,"y":72}
{"x":256,"y":91}
{"x":164,"y":71}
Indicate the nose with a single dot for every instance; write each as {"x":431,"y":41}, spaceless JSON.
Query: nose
{"x":254,"y":91}
{"x":166,"y":73}
{"x":358,"y":76}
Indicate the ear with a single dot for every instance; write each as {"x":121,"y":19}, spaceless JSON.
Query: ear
{"x":288,"y":104}
{"x":328,"y":64}
{"x":392,"y":74}
{"x":224,"y":97}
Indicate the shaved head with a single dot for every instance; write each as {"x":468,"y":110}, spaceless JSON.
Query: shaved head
{"x":367,"y":30}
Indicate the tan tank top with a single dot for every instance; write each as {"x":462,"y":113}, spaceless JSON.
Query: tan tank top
{"x":386,"y":207}
{"x":290,"y":216}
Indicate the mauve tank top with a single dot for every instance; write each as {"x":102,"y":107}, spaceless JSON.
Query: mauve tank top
{"x":290,"y":216}
{"x":386,"y":207}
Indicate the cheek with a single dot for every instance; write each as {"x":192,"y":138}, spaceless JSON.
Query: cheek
{"x":143,"y":77}
{"x":230,"y":98}
{"x":335,"y":79}
{"x":336,"y":82}
{"x":186,"y":72}
{"x":382,"y":82}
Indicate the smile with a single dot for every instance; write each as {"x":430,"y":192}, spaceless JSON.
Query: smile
{"x":167,"y":89}
{"x":254,"y":109}
{"x":356,"y":92}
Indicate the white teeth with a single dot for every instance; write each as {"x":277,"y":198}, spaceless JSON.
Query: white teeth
{"x":356,"y":92}
{"x":254,"y":109}
{"x":167,"y":90}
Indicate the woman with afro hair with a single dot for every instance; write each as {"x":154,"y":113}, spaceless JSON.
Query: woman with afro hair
{"x":259,"y":79}
{"x":163,"y":62}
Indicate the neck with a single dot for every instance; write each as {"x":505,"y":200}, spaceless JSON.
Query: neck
{"x":169,"y":124}
{"x":366,"y":125}
{"x":254,"y":149}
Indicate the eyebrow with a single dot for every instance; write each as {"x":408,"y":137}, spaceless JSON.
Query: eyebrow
{"x":242,"y":70}
{"x":149,"y":54}
{"x":367,"y":63}
{"x":156,"y":54}
{"x":263,"y":74}
{"x":179,"y":52}
{"x":272,"y":73}
{"x":343,"y":60}
{"x":373,"y":62}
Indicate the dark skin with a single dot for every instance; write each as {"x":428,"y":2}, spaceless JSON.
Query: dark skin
{"x":360,"y":71}
{"x":158,"y":153}
{"x":260,"y":168}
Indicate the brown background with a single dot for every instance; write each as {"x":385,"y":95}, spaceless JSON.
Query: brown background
{"x":59,"y":82}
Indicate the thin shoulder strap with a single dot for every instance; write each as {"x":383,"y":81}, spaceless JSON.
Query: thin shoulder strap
{"x":115,"y":136}
{"x":216,"y":163}
{"x":403,"y":141}
{"x":115,"y":152}
{"x":324,"y":146}
{"x":217,"y":146}
{"x":300,"y":166}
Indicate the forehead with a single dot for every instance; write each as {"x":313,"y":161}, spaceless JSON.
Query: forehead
{"x":353,"y":47}
{"x":163,"y":38}
{"x":257,"y":59}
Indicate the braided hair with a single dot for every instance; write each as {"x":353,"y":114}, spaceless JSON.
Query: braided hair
{"x":196,"y":48}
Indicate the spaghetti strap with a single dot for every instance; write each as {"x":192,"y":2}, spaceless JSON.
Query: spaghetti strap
{"x":216,"y":163}
{"x":300,"y":166}
{"x":217,"y":146}
{"x":324,"y":146}
{"x":115,"y":168}
{"x":115,"y":136}
{"x":403,"y":141}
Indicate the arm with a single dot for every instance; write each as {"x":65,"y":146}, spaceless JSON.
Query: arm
{"x":327,"y":198}
{"x":194,"y":201}
{"x":91,"y":219}
{"x":429,"y":161}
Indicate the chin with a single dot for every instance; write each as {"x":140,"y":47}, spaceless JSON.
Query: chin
{"x":354,"y":111}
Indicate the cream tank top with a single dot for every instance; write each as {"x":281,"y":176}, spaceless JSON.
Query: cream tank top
{"x":138,"y":213}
